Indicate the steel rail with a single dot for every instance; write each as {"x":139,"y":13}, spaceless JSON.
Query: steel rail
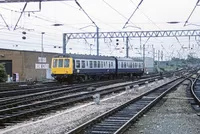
{"x":27,"y":89}
{"x":119,"y":119}
{"x":195,"y":89}
{"x":18,"y":86}
{"x":51,"y":93}
{"x":12,"y":114}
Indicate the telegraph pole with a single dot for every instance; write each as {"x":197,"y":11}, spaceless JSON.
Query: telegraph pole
{"x":144,"y":56}
{"x":64,"y":43}
{"x":153,"y":55}
{"x":127,"y":54}
{"x":42,"y":56}
{"x":42,"y":48}
{"x":158,"y":58}
{"x":97,"y":40}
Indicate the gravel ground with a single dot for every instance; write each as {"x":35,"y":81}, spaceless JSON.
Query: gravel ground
{"x":173,"y":115}
{"x":63,"y":121}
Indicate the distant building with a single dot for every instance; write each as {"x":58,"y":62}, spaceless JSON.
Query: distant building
{"x":22,"y":65}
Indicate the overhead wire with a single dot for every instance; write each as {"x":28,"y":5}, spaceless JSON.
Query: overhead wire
{"x":147,"y":16}
{"x":152,"y":23}
{"x":90,"y":15}
{"x":47,"y":19}
{"x":34,"y":31}
{"x":85,"y":13}
{"x":132,"y":14}
{"x":191,"y":12}
{"x":40,"y":17}
{"x":119,"y":13}
{"x":4,"y":22}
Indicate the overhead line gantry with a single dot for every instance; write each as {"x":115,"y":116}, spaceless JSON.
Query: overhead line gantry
{"x":15,"y":1}
{"x":127,"y":35}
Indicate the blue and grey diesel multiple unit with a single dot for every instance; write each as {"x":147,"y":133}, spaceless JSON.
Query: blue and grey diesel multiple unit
{"x":76,"y":67}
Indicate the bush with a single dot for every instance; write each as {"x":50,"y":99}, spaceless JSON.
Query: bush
{"x":3,"y":75}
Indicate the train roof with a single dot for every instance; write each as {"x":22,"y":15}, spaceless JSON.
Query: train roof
{"x":95,"y":57}
{"x":128,"y":59}
{"x":82,"y":56}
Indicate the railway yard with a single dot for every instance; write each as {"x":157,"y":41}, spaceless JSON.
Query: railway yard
{"x":99,"y":67}
{"x":114,"y":106}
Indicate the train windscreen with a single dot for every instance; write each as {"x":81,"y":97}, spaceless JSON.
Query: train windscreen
{"x":66,"y":62}
{"x":55,"y":61}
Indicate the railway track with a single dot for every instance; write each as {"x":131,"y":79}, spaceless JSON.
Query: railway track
{"x":194,"y":92}
{"x":27,"y":89}
{"x":15,"y":110}
{"x":21,"y":88}
{"x":117,"y":120}
{"x":15,"y":89}
{"x":24,"y":85}
{"x":24,"y":90}
{"x":49,"y":93}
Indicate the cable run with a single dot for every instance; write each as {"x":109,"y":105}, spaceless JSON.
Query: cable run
{"x":119,"y":13}
{"x":85,"y":13}
{"x":132,"y":14}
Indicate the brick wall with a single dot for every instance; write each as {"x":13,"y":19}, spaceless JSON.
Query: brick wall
{"x":23,"y":62}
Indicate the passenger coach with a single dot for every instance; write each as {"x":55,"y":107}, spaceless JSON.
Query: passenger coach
{"x":129,"y":67}
{"x":72,"y":67}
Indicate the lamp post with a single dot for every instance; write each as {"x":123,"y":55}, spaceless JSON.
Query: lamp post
{"x":42,"y":50}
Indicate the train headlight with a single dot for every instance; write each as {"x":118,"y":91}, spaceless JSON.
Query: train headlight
{"x":78,"y":71}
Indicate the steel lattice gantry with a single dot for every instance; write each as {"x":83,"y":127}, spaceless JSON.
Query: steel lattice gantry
{"x":15,"y":1}
{"x":128,"y":34}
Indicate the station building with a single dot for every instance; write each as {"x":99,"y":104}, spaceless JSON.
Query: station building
{"x":22,"y":65}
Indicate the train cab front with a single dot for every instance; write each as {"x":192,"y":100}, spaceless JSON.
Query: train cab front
{"x":61,"y":68}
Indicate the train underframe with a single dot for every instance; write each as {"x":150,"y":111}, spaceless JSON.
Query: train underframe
{"x":79,"y":78}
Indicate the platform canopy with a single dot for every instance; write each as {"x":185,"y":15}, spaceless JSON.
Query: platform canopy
{"x":15,"y":1}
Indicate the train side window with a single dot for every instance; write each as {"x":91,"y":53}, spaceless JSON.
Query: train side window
{"x":98,"y":64}
{"x":101,"y":64}
{"x":78,"y":64}
{"x":55,"y":63}
{"x":90,"y":64}
{"x":82,"y":64}
{"x":136,"y":65}
{"x":133,"y":64}
{"x":95,"y":64}
{"x":139,"y":65}
{"x":111,"y":64}
{"x":130,"y":65}
{"x":60,"y":63}
{"x":66,"y":62}
{"x":87,"y":64}
{"x":122,"y":65}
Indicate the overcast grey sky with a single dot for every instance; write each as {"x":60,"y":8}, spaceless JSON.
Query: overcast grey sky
{"x":109,"y":15}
